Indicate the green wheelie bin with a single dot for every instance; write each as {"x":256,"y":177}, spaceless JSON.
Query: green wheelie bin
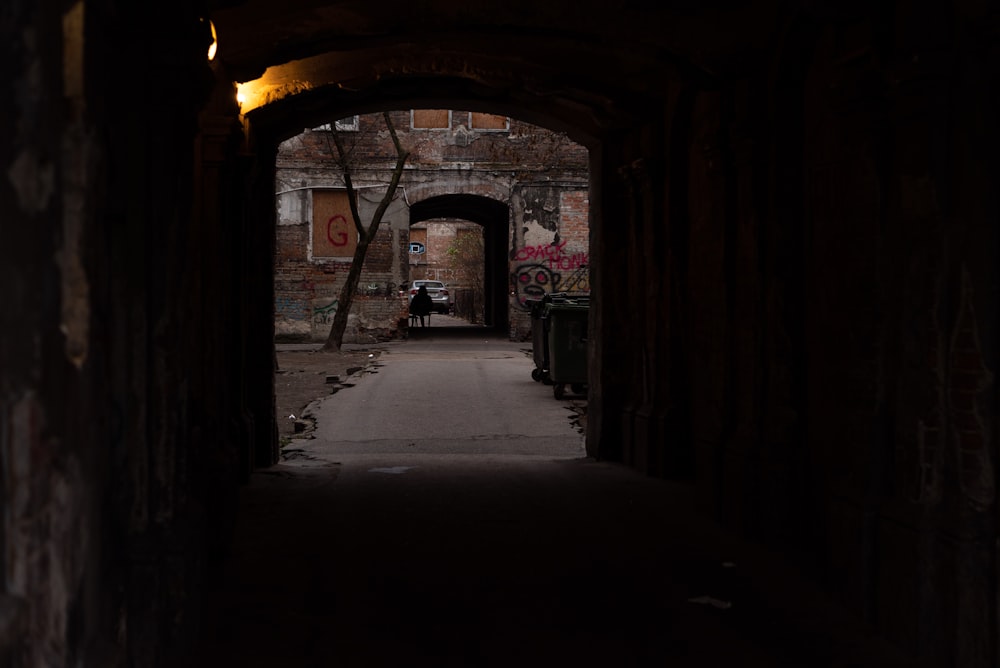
{"x":567,"y":345}
{"x":540,"y":333}
{"x":539,"y":339}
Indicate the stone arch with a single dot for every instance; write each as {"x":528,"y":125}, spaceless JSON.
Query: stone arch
{"x":493,"y":215}
{"x":587,"y":121}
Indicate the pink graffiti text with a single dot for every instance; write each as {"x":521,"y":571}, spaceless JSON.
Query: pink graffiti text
{"x":553,"y":256}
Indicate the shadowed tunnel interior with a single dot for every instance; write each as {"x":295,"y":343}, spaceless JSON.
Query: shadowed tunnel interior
{"x":794,"y":240}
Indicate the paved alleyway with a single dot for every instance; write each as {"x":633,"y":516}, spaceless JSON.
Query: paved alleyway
{"x":457,"y":547}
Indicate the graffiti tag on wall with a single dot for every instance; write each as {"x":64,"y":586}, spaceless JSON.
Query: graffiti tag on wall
{"x":548,"y":268}
{"x":337,"y":231}
{"x":532,"y":281}
{"x":289,"y":307}
{"x":333,"y":233}
{"x":553,"y":255}
{"x":323,"y":315}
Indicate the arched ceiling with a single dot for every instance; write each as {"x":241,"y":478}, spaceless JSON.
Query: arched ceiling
{"x":585,"y":67}
{"x":474,"y":208}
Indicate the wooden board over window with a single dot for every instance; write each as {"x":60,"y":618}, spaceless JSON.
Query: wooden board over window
{"x":334,"y":234}
{"x":431,"y":119}
{"x":481,"y":121}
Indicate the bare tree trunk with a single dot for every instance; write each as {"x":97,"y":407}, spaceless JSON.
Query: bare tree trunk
{"x":365,"y":236}
{"x":347,"y":292}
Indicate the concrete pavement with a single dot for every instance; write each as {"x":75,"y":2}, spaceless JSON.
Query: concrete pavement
{"x":491,"y":540}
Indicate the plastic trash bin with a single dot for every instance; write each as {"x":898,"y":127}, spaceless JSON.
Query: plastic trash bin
{"x":539,"y":338}
{"x":540,"y":333}
{"x":567,"y":345}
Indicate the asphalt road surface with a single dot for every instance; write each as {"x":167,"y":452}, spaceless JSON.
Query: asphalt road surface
{"x":447,"y":396}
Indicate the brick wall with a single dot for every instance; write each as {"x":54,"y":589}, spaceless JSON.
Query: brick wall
{"x":380,"y":253}
{"x":418,"y":261}
{"x":550,"y":250}
{"x":438,"y":237}
{"x":373,"y":318}
{"x":541,"y":174}
{"x":306,"y":290}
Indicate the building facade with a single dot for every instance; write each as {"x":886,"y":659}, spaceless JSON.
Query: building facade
{"x":461,"y":165}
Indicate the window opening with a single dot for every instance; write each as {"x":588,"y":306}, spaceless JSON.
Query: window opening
{"x":430,"y":119}
{"x":488,"y":122}
{"x":349,"y":124}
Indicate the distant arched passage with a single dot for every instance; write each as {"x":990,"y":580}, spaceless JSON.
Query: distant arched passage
{"x":494,"y":216}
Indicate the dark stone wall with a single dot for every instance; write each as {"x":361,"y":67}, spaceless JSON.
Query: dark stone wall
{"x":125,"y":362}
{"x":53,"y":411}
{"x":809,"y":257}
{"x":803,"y":251}
{"x":901,"y":352}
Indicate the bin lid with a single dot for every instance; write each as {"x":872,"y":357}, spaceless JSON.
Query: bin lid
{"x":555,"y":299}
{"x":566,"y":308}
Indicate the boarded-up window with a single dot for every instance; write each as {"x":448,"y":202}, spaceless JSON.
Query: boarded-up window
{"x":334,"y":234}
{"x":488,"y":121}
{"x":431,"y":119}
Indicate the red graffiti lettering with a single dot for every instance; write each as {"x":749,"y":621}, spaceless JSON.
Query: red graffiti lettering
{"x":341,"y":236}
{"x":540,"y":252}
{"x":553,"y":256}
{"x":569,"y":262}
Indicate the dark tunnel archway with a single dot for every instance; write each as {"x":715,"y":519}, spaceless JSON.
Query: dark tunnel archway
{"x":598,"y":129}
{"x":494,"y":217}
{"x":793,"y":230}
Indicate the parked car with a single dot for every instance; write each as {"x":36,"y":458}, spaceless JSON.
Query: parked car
{"x":436,"y":289}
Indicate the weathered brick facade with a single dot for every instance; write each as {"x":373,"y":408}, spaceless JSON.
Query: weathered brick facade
{"x":540,"y":175}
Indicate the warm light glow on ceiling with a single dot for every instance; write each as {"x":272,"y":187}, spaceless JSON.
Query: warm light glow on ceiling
{"x":240,"y":95}
{"x":251,"y":94}
{"x":214,"y":46}
{"x":281,"y":81}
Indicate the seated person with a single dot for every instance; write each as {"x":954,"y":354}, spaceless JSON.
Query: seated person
{"x":421,"y":305}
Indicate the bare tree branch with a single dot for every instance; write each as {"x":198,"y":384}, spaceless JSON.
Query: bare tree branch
{"x":397,"y":174}
{"x":345,"y":166}
{"x":365,"y":236}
